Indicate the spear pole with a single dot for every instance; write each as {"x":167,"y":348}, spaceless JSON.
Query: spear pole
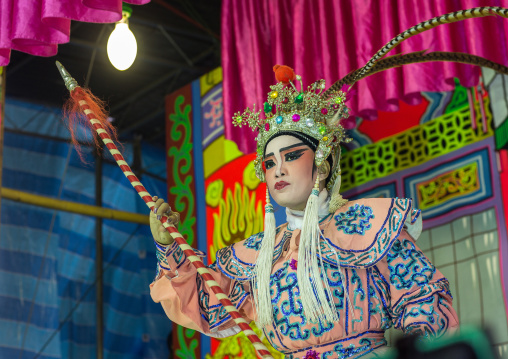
{"x":75,"y":90}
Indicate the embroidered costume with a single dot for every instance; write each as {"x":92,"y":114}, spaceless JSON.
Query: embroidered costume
{"x":329,"y":282}
{"x":378,"y":278}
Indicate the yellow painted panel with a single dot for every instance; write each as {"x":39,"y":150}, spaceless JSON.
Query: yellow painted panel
{"x":210,"y":79}
{"x":218,"y":153}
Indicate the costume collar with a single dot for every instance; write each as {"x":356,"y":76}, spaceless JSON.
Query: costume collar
{"x":295,"y":218}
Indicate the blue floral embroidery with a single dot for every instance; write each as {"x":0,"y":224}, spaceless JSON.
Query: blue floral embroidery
{"x":355,"y":219}
{"x":408,"y":266}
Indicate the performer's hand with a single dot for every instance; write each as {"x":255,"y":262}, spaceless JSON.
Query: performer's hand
{"x":159,"y":233}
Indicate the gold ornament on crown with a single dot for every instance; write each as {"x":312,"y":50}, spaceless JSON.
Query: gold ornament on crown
{"x":311,"y":112}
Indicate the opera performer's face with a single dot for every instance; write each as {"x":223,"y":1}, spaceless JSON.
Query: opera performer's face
{"x":289,"y":171}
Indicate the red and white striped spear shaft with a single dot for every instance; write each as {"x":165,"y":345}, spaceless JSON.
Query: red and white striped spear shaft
{"x":72,"y":86}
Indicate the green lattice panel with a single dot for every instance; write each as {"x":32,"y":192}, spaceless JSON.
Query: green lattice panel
{"x":417,"y":145}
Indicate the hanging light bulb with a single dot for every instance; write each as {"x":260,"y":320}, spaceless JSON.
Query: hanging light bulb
{"x":122,"y":46}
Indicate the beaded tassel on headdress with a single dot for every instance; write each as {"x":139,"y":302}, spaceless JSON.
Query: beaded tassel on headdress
{"x":263,"y":269}
{"x":316,"y":303}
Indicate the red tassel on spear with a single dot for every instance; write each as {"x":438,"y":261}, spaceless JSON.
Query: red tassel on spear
{"x":73,"y":111}
{"x":83,"y":101}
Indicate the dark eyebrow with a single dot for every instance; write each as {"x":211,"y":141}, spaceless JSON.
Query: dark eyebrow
{"x":286,"y":148}
{"x":292,"y":146}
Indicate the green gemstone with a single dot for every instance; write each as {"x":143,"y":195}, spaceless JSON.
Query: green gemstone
{"x":238,"y":119}
{"x":268,"y":107}
{"x":338,"y":100}
{"x":322,"y":130}
{"x":299,"y":98}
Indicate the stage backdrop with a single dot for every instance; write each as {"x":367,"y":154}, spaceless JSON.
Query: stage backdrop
{"x":446,"y":153}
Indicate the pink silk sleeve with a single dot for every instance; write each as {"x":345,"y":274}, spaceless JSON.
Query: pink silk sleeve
{"x":419,"y":299}
{"x":187,"y":301}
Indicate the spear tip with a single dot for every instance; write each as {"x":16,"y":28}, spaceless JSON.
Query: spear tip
{"x":70,"y":83}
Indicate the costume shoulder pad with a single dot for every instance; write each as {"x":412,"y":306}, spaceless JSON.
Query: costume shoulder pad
{"x":361,"y":232}
{"x":237,"y":261}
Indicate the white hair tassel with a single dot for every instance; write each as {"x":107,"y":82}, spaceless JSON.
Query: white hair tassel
{"x":263,"y":269}
{"x":316,"y":306}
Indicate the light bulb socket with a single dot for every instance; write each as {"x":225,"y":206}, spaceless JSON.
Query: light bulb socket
{"x":126,"y":10}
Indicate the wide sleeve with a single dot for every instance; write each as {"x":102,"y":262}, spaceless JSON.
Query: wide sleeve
{"x":418,"y":294}
{"x":186,"y":299}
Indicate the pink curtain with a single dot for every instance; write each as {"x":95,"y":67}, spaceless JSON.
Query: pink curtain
{"x":38,"y":26}
{"x":328,"y":39}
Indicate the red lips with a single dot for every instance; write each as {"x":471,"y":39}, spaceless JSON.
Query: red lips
{"x":280,"y":185}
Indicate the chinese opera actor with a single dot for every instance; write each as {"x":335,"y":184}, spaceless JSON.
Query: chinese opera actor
{"x":331,"y":280}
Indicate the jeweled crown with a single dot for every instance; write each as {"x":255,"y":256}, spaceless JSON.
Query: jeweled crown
{"x":288,"y":109}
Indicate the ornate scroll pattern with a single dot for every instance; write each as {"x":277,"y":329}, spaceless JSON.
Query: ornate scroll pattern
{"x":233,"y":267}
{"x":217,"y":314}
{"x":378,"y":295}
{"x":254,"y":241}
{"x":366,"y":345}
{"x":181,"y":169}
{"x":384,"y":238}
{"x":453,"y":184}
{"x":415,"y":214}
{"x":181,"y":195}
{"x":408,"y":266}
{"x":456,"y":183}
{"x":429,"y":303}
{"x":176,"y":254}
{"x":288,"y":310}
{"x":410,"y":148}
{"x":355,"y":219}
{"x":363,"y":344}
{"x":432,"y":322}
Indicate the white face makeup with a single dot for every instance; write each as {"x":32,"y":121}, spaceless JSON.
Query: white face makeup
{"x":289,"y":163}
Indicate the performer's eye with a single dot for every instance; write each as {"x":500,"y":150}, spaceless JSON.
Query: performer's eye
{"x":269,"y":164}
{"x":291,"y":156}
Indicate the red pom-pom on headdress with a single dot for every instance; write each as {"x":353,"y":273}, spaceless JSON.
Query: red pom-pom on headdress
{"x":284,"y":74}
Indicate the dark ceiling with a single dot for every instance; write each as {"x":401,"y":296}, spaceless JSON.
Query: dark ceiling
{"x":178,"y":41}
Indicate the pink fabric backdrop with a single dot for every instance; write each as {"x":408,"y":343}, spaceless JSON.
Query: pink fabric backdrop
{"x":38,"y":26}
{"x":327,"y":39}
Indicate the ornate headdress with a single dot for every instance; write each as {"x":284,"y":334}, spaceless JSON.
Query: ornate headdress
{"x":312,"y":113}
